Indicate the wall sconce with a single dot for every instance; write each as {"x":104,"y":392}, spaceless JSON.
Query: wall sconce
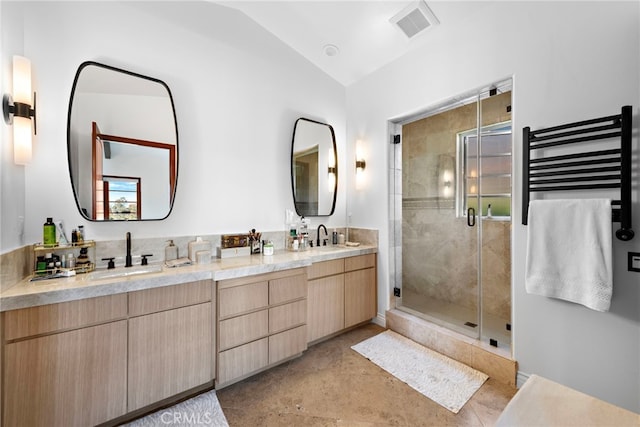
{"x":18,"y":112}
{"x":361,"y":164}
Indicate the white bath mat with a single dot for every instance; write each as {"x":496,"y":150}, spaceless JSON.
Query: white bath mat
{"x":202,"y":410}
{"x":443,"y":380}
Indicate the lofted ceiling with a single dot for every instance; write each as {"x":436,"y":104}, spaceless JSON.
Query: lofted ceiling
{"x":360,"y":30}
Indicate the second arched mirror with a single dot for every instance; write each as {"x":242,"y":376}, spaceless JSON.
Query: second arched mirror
{"x":314,"y":168}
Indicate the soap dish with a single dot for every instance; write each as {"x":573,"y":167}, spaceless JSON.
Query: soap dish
{"x":352,"y":244}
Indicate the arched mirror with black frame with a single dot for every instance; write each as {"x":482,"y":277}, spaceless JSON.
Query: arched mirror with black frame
{"x":122,"y":144}
{"x":314,"y":168}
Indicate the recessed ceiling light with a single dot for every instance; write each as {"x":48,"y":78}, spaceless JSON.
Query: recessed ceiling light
{"x":330,"y":50}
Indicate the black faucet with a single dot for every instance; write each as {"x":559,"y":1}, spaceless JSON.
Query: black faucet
{"x":127,"y":261}
{"x":318,"y":234}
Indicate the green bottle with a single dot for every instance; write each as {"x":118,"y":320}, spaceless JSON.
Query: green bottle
{"x":49,"y":233}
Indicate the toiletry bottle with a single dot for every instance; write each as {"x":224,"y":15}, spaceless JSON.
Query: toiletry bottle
{"x":74,"y":236}
{"x":171,"y":251}
{"x":71,"y":261}
{"x":80,"y":233}
{"x":49,"y":233}
{"x":334,"y":237}
{"x":489,"y":211}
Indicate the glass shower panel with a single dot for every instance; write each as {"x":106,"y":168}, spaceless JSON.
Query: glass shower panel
{"x":495,"y":223}
{"x":439,"y":247}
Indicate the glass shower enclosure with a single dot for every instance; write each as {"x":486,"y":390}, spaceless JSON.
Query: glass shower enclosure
{"x":453,"y":237}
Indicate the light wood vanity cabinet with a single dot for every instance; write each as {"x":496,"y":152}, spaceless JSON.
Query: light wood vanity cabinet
{"x":261,"y":322}
{"x":65,"y":364}
{"x":360,"y":289}
{"x":342,"y":293}
{"x":170,"y":341}
{"x":86,"y":362}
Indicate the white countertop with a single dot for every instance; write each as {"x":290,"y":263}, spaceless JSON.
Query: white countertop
{"x":30,"y":294}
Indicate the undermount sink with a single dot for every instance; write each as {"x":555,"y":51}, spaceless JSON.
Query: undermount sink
{"x":125,"y":271}
{"x":325,"y":248}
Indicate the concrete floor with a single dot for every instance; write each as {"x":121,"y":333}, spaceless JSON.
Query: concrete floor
{"x":332,"y":385}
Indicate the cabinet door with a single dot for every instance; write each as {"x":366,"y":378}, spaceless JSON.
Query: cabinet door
{"x":236,"y":300}
{"x":287,"y":316}
{"x":359,"y":296}
{"x":169,"y":352}
{"x":325,"y":307}
{"x":75,"y":378}
{"x":242,"y":360}
{"x":287,"y":344}
{"x":287,"y":289}
{"x":243,"y":329}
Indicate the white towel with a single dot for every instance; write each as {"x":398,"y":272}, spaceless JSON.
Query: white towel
{"x":569,"y":253}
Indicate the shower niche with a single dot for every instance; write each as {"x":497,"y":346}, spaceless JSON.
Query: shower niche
{"x":452,"y":210}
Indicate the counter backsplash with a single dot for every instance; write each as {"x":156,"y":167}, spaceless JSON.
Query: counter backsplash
{"x":17,"y":264}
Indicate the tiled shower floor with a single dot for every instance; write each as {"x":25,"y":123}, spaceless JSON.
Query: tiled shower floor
{"x":456,"y":317}
{"x":332,"y":385}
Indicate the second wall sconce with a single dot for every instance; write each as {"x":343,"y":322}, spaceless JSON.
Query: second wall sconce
{"x":17,"y":111}
{"x":360,"y":163}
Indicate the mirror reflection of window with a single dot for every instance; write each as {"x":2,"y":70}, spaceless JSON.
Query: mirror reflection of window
{"x":122,"y":196}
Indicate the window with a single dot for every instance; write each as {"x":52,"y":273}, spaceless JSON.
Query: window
{"x":492,"y":186}
{"x":122,"y":196}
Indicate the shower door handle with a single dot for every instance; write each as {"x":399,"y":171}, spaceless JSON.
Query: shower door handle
{"x":471,"y":217}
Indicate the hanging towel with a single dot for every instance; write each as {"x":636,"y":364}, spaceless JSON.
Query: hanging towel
{"x":569,"y":253}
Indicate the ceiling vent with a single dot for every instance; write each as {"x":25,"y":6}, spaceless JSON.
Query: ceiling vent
{"x":414,"y":19}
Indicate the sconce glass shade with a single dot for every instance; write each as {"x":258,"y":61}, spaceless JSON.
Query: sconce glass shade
{"x":21,"y":80}
{"x":17,"y":110}
{"x":22,"y":140}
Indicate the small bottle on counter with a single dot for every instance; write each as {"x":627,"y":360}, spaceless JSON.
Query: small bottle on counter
{"x":334,"y":237}
{"x":171,"y":251}
{"x":267,"y":248}
{"x":71,"y":261}
{"x":49,"y":233}
{"x":80,"y":233}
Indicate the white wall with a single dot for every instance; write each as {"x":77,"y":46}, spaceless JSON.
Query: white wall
{"x":12,"y":177}
{"x":237,"y":91}
{"x":570,"y":61}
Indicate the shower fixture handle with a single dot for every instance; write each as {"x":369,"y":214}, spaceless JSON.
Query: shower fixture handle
{"x":471,"y":217}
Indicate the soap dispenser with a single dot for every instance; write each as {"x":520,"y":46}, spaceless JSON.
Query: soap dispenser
{"x":171,"y":251}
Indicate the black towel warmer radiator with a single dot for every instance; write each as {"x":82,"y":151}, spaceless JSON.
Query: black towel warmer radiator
{"x":584,"y":170}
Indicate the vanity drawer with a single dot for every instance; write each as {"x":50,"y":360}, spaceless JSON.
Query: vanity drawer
{"x":242,"y":299}
{"x":325,"y":268}
{"x":359,"y":262}
{"x":240,"y":361}
{"x":287,"y":316}
{"x":287,"y":344}
{"x":43,"y":319}
{"x":287,"y":289}
{"x":242,"y":329}
{"x":169,"y":297}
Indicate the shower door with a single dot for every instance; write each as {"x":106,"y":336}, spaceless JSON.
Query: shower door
{"x":453,"y":251}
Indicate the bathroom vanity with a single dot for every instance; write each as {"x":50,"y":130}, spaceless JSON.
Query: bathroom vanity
{"x":82,"y":351}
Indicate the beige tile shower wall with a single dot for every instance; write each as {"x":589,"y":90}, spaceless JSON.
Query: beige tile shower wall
{"x":496,"y":268}
{"x":439,"y":251}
